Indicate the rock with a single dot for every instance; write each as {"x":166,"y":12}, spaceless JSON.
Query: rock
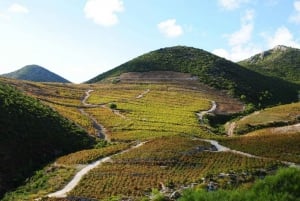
{"x":175,"y":195}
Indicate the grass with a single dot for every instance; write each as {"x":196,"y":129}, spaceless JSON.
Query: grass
{"x":49,"y":179}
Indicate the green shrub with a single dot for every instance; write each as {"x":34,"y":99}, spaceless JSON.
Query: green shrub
{"x":284,"y":186}
{"x":113,"y":106}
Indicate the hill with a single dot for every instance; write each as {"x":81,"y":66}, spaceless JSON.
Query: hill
{"x":282,"y":62}
{"x":212,"y":70}
{"x":282,"y":115}
{"x":35,"y":73}
{"x":32,"y":135}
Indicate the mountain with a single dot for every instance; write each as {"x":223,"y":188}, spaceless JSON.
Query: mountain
{"x":35,"y":73}
{"x":212,"y":70}
{"x":32,"y":135}
{"x":282,"y":62}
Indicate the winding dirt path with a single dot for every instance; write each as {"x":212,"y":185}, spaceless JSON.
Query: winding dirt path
{"x":86,"y":97}
{"x":221,"y":148}
{"x":76,"y":179}
{"x":231,"y":128}
{"x":211,"y":110}
{"x":143,"y":94}
{"x":100,"y":130}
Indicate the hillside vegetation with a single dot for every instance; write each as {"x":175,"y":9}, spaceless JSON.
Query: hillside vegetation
{"x":32,"y":135}
{"x":284,"y":186}
{"x":35,"y":73}
{"x":281,"y":115}
{"x":163,"y":114}
{"x":282,"y":62}
{"x":212,"y":70}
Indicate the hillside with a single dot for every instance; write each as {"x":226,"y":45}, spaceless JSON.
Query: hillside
{"x":282,"y":62}
{"x":35,"y":73}
{"x":32,"y":135}
{"x":173,"y":151}
{"x":212,"y":70}
{"x":282,"y":115}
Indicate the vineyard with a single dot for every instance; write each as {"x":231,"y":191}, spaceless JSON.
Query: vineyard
{"x":270,"y":117}
{"x":280,"y":144}
{"x":164,"y":117}
{"x":173,"y":162}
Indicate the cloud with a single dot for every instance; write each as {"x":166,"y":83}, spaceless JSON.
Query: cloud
{"x":103,"y":12}
{"x":244,"y":34}
{"x":170,"y":29}
{"x":221,"y":53}
{"x":231,"y":4}
{"x":282,"y":36}
{"x":17,"y":8}
{"x":240,"y":46}
{"x":12,"y":10}
{"x":295,"y":17}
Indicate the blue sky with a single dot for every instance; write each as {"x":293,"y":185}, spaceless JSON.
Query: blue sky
{"x":80,"y":39}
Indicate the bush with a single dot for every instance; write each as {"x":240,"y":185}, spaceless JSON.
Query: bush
{"x":113,"y":106}
{"x":284,"y":186}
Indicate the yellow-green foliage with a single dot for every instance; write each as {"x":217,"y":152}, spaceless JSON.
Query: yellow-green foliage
{"x":49,"y":179}
{"x":282,"y":146}
{"x":90,"y":155}
{"x":75,"y":115}
{"x":177,"y":160}
{"x":275,"y":116}
{"x":162,"y":111}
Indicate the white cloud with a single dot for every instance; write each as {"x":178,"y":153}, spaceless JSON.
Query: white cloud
{"x":297,"y":6}
{"x":17,"y":8}
{"x":103,"y":12}
{"x":231,"y":4}
{"x":244,"y":34}
{"x":170,"y":29}
{"x":240,"y":41}
{"x":295,"y":17}
{"x":222,"y":53}
{"x":282,"y":36}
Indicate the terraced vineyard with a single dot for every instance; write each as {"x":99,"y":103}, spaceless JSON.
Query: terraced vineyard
{"x":163,"y":115}
{"x":278,"y":143}
{"x":167,"y":162}
{"x":271,"y":117}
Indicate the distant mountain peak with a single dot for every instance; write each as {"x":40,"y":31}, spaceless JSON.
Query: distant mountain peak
{"x":281,"y":61}
{"x":281,"y":48}
{"x":263,"y":55}
{"x":35,"y":73}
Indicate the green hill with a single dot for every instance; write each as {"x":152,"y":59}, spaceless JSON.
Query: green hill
{"x":212,"y":70}
{"x":32,"y":135}
{"x":282,"y":62}
{"x":35,"y":73}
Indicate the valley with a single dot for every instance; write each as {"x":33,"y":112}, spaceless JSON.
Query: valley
{"x":170,"y":120}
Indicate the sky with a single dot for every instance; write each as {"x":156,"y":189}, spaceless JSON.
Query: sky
{"x":80,"y":39}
